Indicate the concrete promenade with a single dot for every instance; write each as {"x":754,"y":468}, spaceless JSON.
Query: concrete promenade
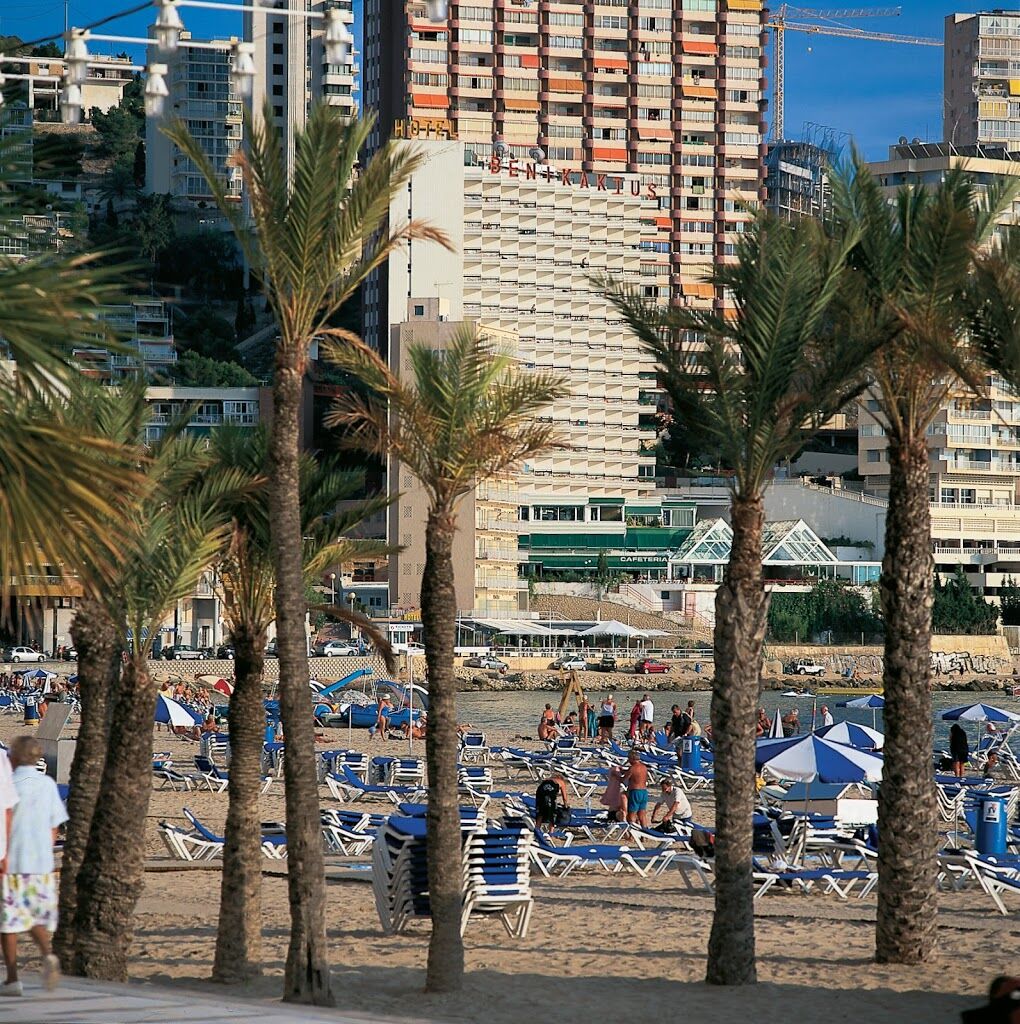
{"x":77,"y":1001}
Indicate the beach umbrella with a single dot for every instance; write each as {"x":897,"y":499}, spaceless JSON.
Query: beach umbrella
{"x":812,"y":758}
{"x":217,"y":683}
{"x":853,"y":735}
{"x":38,"y":673}
{"x":979,"y":713}
{"x":873,"y":702}
{"x":776,"y":728}
{"x":171,"y":712}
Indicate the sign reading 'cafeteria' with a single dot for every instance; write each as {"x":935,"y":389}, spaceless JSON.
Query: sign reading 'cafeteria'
{"x":612,"y":183}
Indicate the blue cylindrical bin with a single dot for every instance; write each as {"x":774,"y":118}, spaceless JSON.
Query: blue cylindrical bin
{"x":690,"y":754}
{"x":991,"y":825}
{"x":270,"y":731}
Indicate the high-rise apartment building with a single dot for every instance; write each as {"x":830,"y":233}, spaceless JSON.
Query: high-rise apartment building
{"x":668,"y":91}
{"x":982,"y":79}
{"x":292,"y":70}
{"x":202,"y":95}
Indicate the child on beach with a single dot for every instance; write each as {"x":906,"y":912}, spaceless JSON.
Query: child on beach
{"x":29,"y":882}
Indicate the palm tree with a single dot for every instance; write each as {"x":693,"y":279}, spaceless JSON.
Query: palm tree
{"x":173,"y":535}
{"x":755,"y":387}
{"x":314,"y":238}
{"x":118,"y":416}
{"x":245,"y":572}
{"x":914,"y":266}
{"x":55,"y":484}
{"x":466,"y":416}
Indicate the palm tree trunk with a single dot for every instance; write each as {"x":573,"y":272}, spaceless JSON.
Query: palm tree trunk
{"x":306,"y":976}
{"x":112,"y":873}
{"x":97,"y":639}
{"x":907,"y":812}
{"x":439,"y":618}
{"x":239,"y":930}
{"x":741,"y":610}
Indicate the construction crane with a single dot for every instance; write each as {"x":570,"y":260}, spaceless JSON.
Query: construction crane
{"x":780,"y":24}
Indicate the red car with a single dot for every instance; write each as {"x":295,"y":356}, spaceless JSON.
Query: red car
{"x":650,"y":665}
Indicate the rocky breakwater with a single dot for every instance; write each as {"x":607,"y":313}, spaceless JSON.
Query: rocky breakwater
{"x":472,"y":680}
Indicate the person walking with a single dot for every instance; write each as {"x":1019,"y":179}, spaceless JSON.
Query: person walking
{"x":29,"y":882}
{"x":826,"y":716}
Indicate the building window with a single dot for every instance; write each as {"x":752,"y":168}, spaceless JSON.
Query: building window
{"x":419,"y":310}
{"x":277,"y":90}
{"x":277,"y":28}
{"x":875,"y":456}
{"x":277,"y":49}
{"x":277,"y":69}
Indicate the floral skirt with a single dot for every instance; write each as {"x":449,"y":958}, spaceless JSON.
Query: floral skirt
{"x":28,"y":900}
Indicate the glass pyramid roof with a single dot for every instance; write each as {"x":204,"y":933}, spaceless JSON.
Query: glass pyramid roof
{"x":786,"y":542}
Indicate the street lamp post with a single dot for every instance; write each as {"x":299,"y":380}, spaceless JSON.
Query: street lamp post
{"x":332,"y":588}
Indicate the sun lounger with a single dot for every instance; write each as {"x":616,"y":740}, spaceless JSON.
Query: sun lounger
{"x":562,"y":860}
{"x":347,"y":787}
{"x":998,"y":879}
{"x":274,"y":845}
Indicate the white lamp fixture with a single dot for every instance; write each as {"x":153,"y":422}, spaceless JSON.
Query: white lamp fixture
{"x":76,"y":55}
{"x":338,"y":38}
{"x":156,"y":91}
{"x":168,"y":26}
{"x":437,"y":10}
{"x":3,"y":82}
{"x":243,"y":71}
{"x":70,"y":103}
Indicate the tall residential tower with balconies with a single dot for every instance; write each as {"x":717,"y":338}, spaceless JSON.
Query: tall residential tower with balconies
{"x":668,"y":91}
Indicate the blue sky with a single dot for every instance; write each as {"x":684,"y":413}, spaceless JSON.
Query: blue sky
{"x":873,"y":92}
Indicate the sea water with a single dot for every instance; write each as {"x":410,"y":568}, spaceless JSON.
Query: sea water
{"x":520,"y":711}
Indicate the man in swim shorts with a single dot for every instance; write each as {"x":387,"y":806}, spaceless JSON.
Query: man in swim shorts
{"x":636,"y":780}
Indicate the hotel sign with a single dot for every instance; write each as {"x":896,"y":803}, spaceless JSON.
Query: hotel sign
{"x":424,"y":128}
{"x":597,"y":181}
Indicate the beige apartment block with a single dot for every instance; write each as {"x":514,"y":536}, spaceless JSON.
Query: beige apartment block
{"x":485,"y":546}
{"x":670,"y":92}
{"x":203,"y":96}
{"x":982,"y":79}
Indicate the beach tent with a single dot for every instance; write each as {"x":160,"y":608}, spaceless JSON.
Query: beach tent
{"x":809,"y":758}
{"x":36,"y":673}
{"x":853,"y":735}
{"x":174,"y":714}
{"x":217,"y":683}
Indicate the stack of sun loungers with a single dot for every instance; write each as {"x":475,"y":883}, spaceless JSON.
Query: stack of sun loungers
{"x":496,"y":877}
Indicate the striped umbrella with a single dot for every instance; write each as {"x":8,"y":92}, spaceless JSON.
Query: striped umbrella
{"x":853,"y":735}
{"x":811,"y":758}
{"x":979,"y":713}
{"x":171,"y":712}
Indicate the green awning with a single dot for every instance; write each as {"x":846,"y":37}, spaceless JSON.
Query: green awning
{"x":605,"y":501}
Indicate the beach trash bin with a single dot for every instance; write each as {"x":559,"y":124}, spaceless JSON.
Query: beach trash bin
{"x":690,"y":754}
{"x":991,"y":825}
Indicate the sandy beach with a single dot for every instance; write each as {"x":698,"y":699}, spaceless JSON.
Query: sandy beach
{"x":599,"y":946}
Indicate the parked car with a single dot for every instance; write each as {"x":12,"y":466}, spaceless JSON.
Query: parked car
{"x":485,"y":661}
{"x":571,"y":661}
{"x":650,"y":666}
{"x":182,"y":652}
{"x":225,"y":652}
{"x":17,"y":654}
{"x":607,"y":664}
{"x":335,"y":649}
{"x":70,"y":654}
{"x":807,"y":668}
